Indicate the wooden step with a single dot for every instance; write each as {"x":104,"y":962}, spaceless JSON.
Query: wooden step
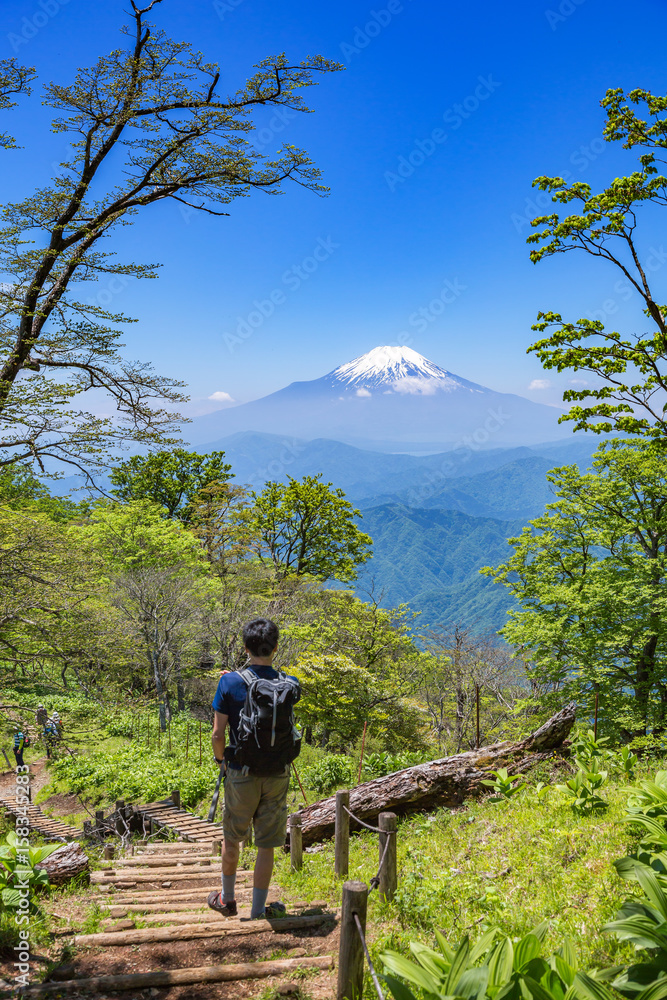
{"x":226,"y":927}
{"x":181,"y":977}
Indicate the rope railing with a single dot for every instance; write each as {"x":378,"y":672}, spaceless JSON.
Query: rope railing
{"x":376,"y":981}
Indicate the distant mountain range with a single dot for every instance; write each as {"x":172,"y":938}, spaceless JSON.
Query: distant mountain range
{"x":392,"y":398}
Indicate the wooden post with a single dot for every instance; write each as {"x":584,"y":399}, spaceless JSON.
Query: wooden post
{"x":295,"y":842}
{"x":176,"y":797}
{"x":388,"y":878}
{"x":351,"y":951}
{"x":595,"y":720}
{"x":109,"y":851}
{"x":342,"y":842}
{"x":187,"y":740}
{"x":216,"y":848}
{"x":120,"y":809}
{"x":477,"y":712}
{"x":200,"y":742}
{"x":99,"y":818}
{"x":87,"y":828}
{"x":361,"y":758}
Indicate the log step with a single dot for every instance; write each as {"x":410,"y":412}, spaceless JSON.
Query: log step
{"x":182,"y":977}
{"x":212,"y":928}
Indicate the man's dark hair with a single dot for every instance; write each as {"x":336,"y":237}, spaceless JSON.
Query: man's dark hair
{"x":260,"y":636}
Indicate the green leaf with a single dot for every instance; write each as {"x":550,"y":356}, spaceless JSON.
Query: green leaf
{"x":398,"y":989}
{"x":458,"y":965}
{"x":501,"y":962}
{"x":526,"y":949}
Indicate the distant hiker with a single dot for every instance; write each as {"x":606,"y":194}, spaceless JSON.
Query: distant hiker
{"x":21,"y":741}
{"x":41,"y":716}
{"x":257,"y":704}
{"x":51,"y":736}
{"x":57,"y":722}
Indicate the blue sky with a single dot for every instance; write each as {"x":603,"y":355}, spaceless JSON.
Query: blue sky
{"x":412,"y":223}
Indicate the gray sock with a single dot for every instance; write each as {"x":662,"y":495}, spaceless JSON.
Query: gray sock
{"x":228,"y":886}
{"x":259,"y":897}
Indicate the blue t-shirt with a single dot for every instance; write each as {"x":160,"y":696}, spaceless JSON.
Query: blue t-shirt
{"x":230,"y":697}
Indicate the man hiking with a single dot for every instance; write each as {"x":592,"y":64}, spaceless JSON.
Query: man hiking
{"x":257,"y":704}
{"x":21,"y":741}
{"x":41,"y":715}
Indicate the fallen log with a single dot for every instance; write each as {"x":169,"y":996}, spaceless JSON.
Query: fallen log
{"x":180,"y":977}
{"x":213,"y":928}
{"x":65,"y":864}
{"x":445,"y":782}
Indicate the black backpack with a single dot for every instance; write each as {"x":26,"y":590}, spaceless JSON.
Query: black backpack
{"x":267,"y":739}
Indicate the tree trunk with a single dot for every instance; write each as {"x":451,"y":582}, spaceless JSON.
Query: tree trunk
{"x":445,"y":782}
{"x":65,"y":863}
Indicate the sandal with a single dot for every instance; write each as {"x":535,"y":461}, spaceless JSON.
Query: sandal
{"x":226,"y":909}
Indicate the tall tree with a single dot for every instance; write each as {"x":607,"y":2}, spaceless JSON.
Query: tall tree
{"x":170,"y":478}
{"x":629,"y":371}
{"x":146,"y":123}
{"x":590,"y":578}
{"x":307,"y":527}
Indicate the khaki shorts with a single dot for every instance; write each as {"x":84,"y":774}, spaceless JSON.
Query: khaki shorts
{"x":260,"y":801}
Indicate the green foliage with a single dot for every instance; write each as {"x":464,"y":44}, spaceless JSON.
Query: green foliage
{"x":171,"y":478}
{"x":377,"y":765}
{"x":139,"y":774}
{"x":494,"y":967}
{"x":307,"y":527}
{"x":330,"y":772}
{"x":629,"y":374}
{"x":504,"y":785}
{"x":338,"y":697}
{"x":582,"y":790}
{"x":18,"y":863}
{"x":590,"y":575}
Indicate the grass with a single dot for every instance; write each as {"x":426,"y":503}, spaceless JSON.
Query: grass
{"x":510,"y":864}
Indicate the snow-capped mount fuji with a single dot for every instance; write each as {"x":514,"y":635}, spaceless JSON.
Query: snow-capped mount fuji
{"x":391,"y":398}
{"x":396,"y":369}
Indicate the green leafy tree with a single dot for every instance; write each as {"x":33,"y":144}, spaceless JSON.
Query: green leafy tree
{"x":307,"y":527}
{"x":146,"y":123}
{"x":338,"y":697}
{"x":161,"y":586}
{"x":629,"y":371}
{"x":14,"y":80}
{"x":590,"y":576}
{"x":170,"y":478}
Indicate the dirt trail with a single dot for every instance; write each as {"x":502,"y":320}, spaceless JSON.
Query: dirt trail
{"x":39,"y":777}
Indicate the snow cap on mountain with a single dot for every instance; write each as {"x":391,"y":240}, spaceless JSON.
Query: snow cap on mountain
{"x":397,"y":369}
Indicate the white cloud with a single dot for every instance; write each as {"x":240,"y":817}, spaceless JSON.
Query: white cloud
{"x":221,"y":397}
{"x":578,"y":381}
{"x":415,"y":385}
{"x":363,"y":392}
{"x":540,"y":383}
